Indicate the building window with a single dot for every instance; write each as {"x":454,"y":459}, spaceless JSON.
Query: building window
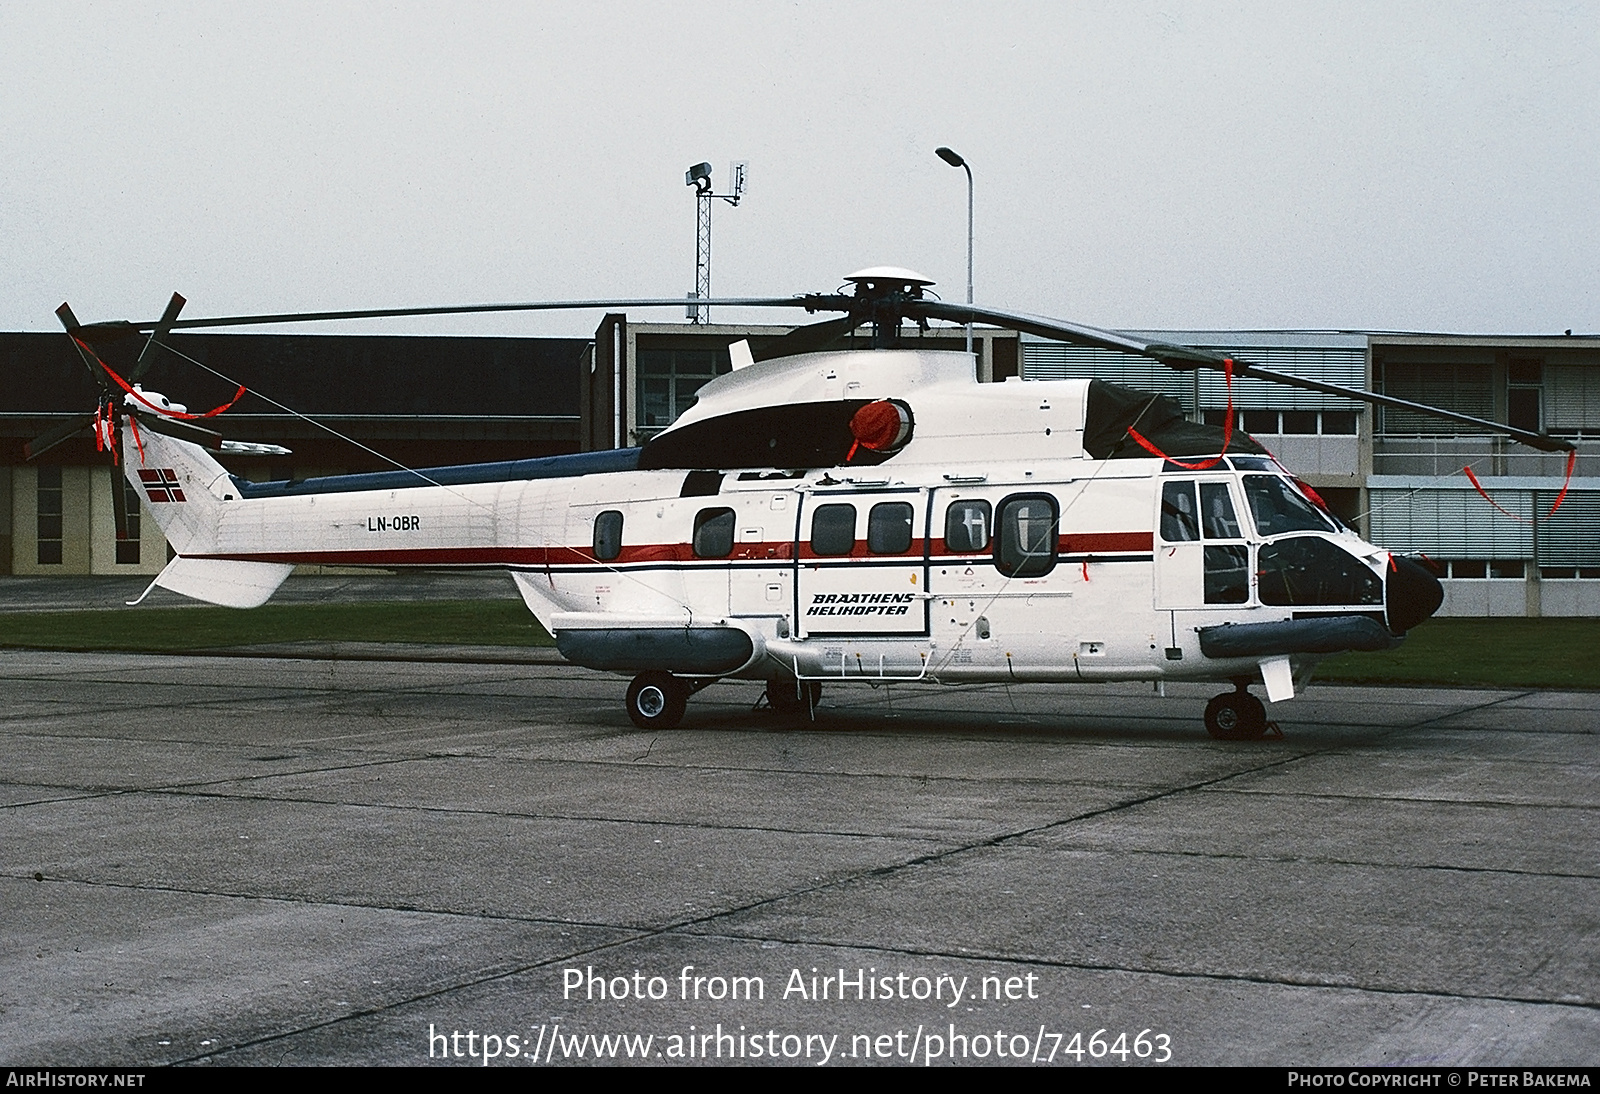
{"x":1302,"y":422}
{"x":669,"y":380}
{"x":48,"y":509}
{"x":1525,"y":395}
{"x":1470,"y":568}
{"x":128,"y":549}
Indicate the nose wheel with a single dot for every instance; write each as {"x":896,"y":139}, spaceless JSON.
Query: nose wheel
{"x":657,"y":700}
{"x":1236,"y":716}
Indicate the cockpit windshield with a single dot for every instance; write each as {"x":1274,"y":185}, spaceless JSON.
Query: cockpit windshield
{"x":1277,"y":508}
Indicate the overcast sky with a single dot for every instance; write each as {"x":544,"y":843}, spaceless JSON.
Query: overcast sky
{"x":1384,"y":165}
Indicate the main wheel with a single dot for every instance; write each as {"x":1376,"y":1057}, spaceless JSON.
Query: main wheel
{"x":786,"y":695}
{"x":1236,"y":716}
{"x":657,"y":700}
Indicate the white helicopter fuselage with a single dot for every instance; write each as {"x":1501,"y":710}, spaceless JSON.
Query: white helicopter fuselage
{"x":990,"y":547}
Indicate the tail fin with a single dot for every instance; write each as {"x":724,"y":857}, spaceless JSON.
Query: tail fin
{"x":188,"y":493}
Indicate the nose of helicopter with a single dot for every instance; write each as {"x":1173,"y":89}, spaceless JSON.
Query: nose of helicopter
{"x":1411,"y":594}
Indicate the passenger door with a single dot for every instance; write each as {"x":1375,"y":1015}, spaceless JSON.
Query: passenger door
{"x":862,"y":566}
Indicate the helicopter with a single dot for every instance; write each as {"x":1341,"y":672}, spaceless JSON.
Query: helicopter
{"x":865,"y":516}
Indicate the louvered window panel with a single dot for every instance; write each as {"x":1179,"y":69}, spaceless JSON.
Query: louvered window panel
{"x":1453,"y":523}
{"x":1572,"y":398}
{"x":1571,"y":537}
{"x":1057,"y":361}
{"x":1465,"y":389}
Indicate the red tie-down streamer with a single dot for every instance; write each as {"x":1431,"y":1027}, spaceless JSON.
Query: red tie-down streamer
{"x":139,"y":395}
{"x":1227,"y":430}
{"x":1572,"y":462}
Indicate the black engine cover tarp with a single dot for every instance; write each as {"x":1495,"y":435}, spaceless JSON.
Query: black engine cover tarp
{"x":1113,"y":409}
{"x":795,"y":435}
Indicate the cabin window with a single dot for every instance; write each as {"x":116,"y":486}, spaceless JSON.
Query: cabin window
{"x":1277,"y":508}
{"x":1308,"y":570}
{"x":1178,"y":521}
{"x":833,"y":530}
{"x":1216,"y":512}
{"x":966,"y":527}
{"x":608,"y":535}
{"x":713,"y":533}
{"x":889,"y":528}
{"x":1227,"y":575}
{"x":1025,"y":541}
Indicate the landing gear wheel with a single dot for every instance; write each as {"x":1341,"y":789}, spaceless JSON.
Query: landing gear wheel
{"x":786,"y":695}
{"x":1236,"y":716}
{"x":657,"y":700}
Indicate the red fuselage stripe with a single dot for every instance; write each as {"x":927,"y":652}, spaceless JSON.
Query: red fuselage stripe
{"x":1075,"y":543}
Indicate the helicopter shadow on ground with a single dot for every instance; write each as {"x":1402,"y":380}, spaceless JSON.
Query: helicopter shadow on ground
{"x":1028,"y":712}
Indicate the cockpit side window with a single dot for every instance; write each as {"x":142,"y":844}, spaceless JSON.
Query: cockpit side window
{"x":713,"y":533}
{"x":1178,"y":512}
{"x":608,"y":535}
{"x":1217,"y":517}
{"x":833,"y":529}
{"x":966,"y":527}
{"x":1277,"y":508}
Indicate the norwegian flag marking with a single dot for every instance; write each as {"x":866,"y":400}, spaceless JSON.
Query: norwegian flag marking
{"x":161,"y":484}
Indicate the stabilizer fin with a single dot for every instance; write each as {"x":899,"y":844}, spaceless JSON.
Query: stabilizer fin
{"x":229,"y":582}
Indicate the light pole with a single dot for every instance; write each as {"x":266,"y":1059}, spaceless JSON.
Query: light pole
{"x":949,"y":156}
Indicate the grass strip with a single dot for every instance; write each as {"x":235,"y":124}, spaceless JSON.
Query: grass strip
{"x":444,"y":622}
{"x":1501,"y":653}
{"x":1514,"y":653}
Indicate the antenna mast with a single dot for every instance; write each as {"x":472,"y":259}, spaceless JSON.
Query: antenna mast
{"x":699,"y":176}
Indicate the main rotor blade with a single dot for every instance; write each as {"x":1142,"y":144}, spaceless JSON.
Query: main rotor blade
{"x":471,"y":309}
{"x":812,"y":336}
{"x":40,"y":445}
{"x":1542,"y":441}
{"x":1061,"y":331}
{"x":147,"y":356}
{"x":1192,"y":357}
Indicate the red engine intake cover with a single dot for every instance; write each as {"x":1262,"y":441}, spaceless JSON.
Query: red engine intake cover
{"x":881,"y":426}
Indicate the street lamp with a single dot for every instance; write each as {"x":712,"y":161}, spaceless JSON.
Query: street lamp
{"x":949,"y":156}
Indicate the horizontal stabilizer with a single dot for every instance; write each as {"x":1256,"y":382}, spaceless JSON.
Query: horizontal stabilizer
{"x":228,"y":582}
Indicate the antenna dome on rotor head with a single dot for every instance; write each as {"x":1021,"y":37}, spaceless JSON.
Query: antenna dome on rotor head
{"x":893,"y":275}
